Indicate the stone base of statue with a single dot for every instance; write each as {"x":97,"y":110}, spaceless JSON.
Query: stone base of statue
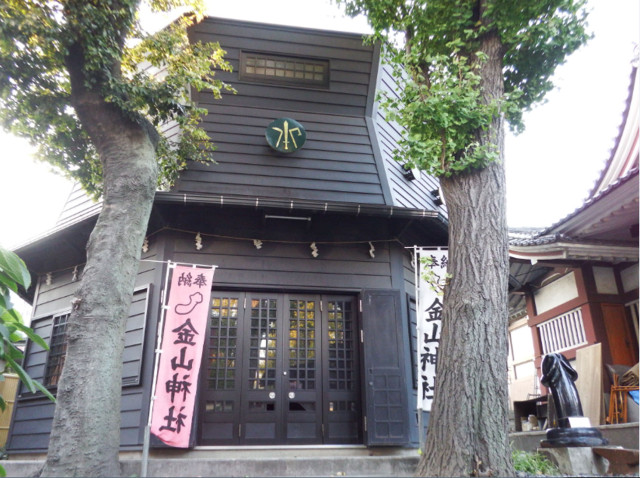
{"x":573,"y":437}
{"x":576,"y":461}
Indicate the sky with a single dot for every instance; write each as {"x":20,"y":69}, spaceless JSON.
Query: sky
{"x":550,"y":167}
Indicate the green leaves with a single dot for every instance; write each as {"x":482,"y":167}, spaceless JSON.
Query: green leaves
{"x":433,"y":48}
{"x":441,"y":109}
{"x":13,"y":273}
{"x":148,"y":77}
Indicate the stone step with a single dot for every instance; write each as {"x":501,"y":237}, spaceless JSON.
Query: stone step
{"x":317,"y":466}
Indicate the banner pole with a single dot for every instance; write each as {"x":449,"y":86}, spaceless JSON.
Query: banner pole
{"x":147,"y":429}
{"x":416,"y":268}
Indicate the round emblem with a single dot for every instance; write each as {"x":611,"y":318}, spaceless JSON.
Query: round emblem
{"x":285,"y":135}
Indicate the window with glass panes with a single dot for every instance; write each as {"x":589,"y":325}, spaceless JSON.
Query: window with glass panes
{"x":57,"y":350}
{"x":282,"y":69}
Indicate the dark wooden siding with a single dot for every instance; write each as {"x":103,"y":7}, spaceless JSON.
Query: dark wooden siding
{"x":288,"y":266}
{"x":33,"y":413}
{"x":335,"y":164}
{"x":411,"y":194}
{"x":78,"y":206}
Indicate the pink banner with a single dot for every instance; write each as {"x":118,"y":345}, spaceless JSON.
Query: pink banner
{"x":184,"y":334}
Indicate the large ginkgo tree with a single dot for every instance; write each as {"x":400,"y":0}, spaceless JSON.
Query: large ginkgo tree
{"x":464,"y":67}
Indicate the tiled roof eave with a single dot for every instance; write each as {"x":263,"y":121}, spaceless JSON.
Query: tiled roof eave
{"x":562,"y":250}
{"x":555,"y":228}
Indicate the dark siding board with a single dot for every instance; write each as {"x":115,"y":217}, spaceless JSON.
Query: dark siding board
{"x":342,"y":84}
{"x":283,"y":176}
{"x":129,"y":437}
{"x":279,"y":192}
{"x":309,"y":105}
{"x":340,"y":145}
{"x":251,"y":30}
{"x":57,"y":296}
{"x":30,"y":426}
{"x":317,"y":265}
{"x":31,"y":442}
{"x":78,"y":205}
{"x":288,"y":266}
{"x":282,"y":250}
{"x":251,"y":111}
{"x":249,"y":92}
{"x":326,"y":166}
{"x":298,"y":279}
{"x":35,"y":410}
{"x":412,"y":194}
{"x":337,"y":135}
{"x":238,"y":144}
{"x":226,"y":120}
{"x":228,"y":149}
{"x":131,"y":400}
{"x":285,"y":44}
{"x":34,"y":426}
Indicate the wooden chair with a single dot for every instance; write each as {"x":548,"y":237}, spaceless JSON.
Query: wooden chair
{"x":618,"y":401}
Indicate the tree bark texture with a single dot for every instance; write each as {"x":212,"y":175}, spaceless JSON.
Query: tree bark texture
{"x":85,"y":435}
{"x":468,"y":426}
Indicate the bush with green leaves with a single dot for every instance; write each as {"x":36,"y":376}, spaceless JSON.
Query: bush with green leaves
{"x":14,"y":273}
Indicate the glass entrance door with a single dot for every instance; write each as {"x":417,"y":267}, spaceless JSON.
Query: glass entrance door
{"x":281,"y":369}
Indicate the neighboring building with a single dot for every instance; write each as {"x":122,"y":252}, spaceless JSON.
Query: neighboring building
{"x":314,"y":239}
{"x":576,"y":282}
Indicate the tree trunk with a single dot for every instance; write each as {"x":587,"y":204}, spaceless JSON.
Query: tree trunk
{"x":468,"y":426}
{"x":85,"y":435}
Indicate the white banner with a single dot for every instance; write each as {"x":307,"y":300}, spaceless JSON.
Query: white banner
{"x":431,"y":271}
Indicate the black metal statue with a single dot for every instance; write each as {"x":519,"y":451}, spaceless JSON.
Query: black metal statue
{"x":559,"y":376}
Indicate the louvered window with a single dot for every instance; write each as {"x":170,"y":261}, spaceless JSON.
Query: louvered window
{"x":562,"y":333}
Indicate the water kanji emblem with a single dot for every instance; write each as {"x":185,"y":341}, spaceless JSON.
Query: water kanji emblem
{"x":285,"y":135}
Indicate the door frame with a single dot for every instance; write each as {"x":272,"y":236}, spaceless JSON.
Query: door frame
{"x":330,"y":408}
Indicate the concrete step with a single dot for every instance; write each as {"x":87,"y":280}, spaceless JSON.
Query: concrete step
{"x":278,"y":464}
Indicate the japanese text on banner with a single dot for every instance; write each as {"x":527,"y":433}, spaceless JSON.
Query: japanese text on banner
{"x":182,"y":342}
{"x":432,"y":271}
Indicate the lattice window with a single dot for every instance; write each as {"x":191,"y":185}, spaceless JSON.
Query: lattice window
{"x":263,"y":344}
{"x":284,"y":69}
{"x":343,"y":406}
{"x":57,"y":350}
{"x":302,"y":345}
{"x":563,"y":332}
{"x":220,"y":406}
{"x":341,"y":345}
{"x":223,"y":342}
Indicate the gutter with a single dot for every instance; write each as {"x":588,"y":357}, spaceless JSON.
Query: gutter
{"x":299,"y":205}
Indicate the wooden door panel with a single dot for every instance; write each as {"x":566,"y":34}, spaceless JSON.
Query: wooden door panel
{"x":262,"y":413}
{"x":302,"y":390}
{"x":221,"y":374}
{"x":619,"y":335}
